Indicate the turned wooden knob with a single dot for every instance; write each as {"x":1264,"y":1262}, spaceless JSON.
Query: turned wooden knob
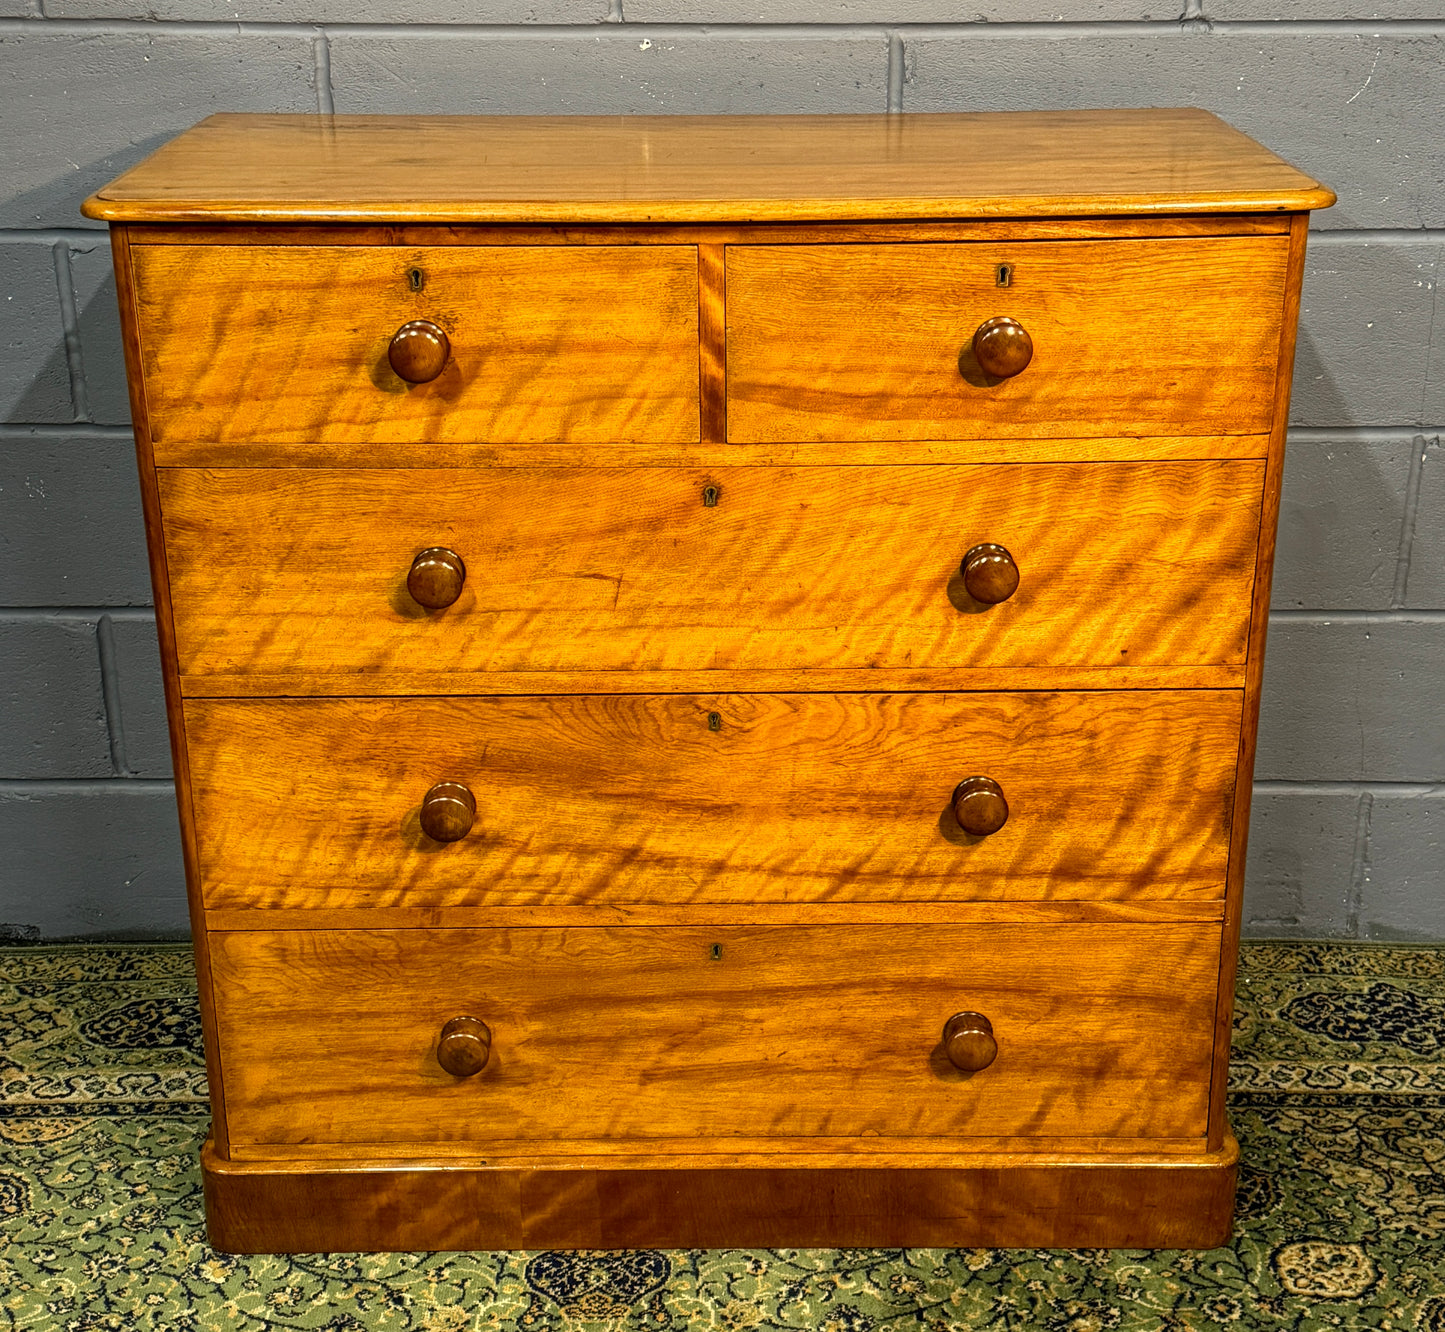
{"x":989,"y":573}
{"x":1002,"y":347}
{"x":436,"y":578}
{"x":968,"y":1041}
{"x":419,"y":351}
{"x":464,"y":1046}
{"x":447,"y":811}
{"x":979,"y":806}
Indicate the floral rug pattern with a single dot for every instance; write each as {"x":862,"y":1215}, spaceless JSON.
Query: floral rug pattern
{"x":1338,"y":1100}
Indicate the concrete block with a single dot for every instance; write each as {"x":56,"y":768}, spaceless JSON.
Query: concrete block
{"x":1301,"y":855}
{"x":904,"y":11}
{"x":1353,"y":700}
{"x":71,"y":532}
{"x":1363,"y":354}
{"x":1244,"y":11}
{"x":1433,"y":412}
{"x":15,"y":8}
{"x":1349,"y":109}
{"x":1404,"y":891}
{"x":142,"y":723}
{"x":51,"y":699}
{"x":81,"y":106}
{"x":34,"y":374}
{"x":92,"y":279}
{"x":336,"y":11}
{"x":1339,"y":523}
{"x":101,"y":861}
{"x":610,"y":71}
{"x":1425,"y":586}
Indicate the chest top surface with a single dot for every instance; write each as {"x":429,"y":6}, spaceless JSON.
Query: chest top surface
{"x":626,"y":169}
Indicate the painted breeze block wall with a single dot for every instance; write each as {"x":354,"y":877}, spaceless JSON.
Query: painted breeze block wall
{"x":1348,"y":838}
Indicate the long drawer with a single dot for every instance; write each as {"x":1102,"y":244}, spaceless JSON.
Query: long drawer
{"x":883,"y":342}
{"x":1118,"y":564}
{"x":292,"y":345}
{"x":646,"y":1034}
{"x":721,"y":798}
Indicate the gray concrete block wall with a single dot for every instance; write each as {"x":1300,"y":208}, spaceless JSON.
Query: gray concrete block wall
{"x":1350,"y":808}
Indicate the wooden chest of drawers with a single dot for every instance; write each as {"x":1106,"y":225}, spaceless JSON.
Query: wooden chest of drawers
{"x":713,"y":665}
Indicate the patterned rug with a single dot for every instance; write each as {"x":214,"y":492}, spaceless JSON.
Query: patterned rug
{"x":1338,"y":1101}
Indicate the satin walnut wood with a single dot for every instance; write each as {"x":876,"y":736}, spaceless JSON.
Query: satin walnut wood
{"x":638,"y":1036}
{"x":1126,"y":337}
{"x":589,"y":169}
{"x":627,"y":569}
{"x":547,"y":343}
{"x":793,"y":798}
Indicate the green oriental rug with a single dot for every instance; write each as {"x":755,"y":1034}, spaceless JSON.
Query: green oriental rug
{"x":1338,"y":1100}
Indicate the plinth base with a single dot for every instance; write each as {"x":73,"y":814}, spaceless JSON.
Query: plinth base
{"x":1013,"y":1200}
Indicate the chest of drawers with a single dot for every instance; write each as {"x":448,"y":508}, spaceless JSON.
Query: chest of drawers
{"x":713,"y":665}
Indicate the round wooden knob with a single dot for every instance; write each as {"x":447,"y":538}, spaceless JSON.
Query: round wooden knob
{"x":968,"y":1041}
{"x":447,"y":811}
{"x":436,"y":578}
{"x":464,"y":1046}
{"x":979,"y":806}
{"x":989,"y":573}
{"x":419,"y":351}
{"x":1002,"y":347}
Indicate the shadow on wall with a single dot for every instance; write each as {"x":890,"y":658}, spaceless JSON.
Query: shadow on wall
{"x":56,"y":202}
{"x":85,"y":381}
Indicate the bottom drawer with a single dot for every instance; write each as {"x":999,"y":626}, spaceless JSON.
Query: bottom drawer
{"x":643,"y":1034}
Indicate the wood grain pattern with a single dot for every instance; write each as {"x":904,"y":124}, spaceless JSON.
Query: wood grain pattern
{"x":1018,"y":1200}
{"x":1129,"y":337}
{"x":834,"y":453}
{"x":121,"y":253}
{"x":794,"y":798}
{"x":688,"y":1032}
{"x":713,"y":902}
{"x":406,"y":684}
{"x":712,"y":342}
{"x":283,"y":572}
{"x":282,"y":168}
{"x":712,"y":233}
{"x":291,"y":346}
{"x":689,"y":1153}
{"x":566,"y":915}
{"x":1249,"y":730}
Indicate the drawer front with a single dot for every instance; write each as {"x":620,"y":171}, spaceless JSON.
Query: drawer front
{"x":1136,"y":564}
{"x":876,"y":342}
{"x":724,"y":798}
{"x":290,"y":344}
{"x":683,"y":1032}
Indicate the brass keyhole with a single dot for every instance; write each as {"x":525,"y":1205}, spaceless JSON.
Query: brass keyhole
{"x":415,"y":277}
{"x":1005,"y":275}
{"x":714,"y":721}
{"x":709,"y":497}
{"x":715,"y":952}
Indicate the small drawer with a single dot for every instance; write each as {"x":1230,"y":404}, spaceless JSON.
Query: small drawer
{"x":1086,"y":338}
{"x":578,"y":799}
{"x":294,"y":344}
{"x":556,"y":569}
{"x":635,"y":1035}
